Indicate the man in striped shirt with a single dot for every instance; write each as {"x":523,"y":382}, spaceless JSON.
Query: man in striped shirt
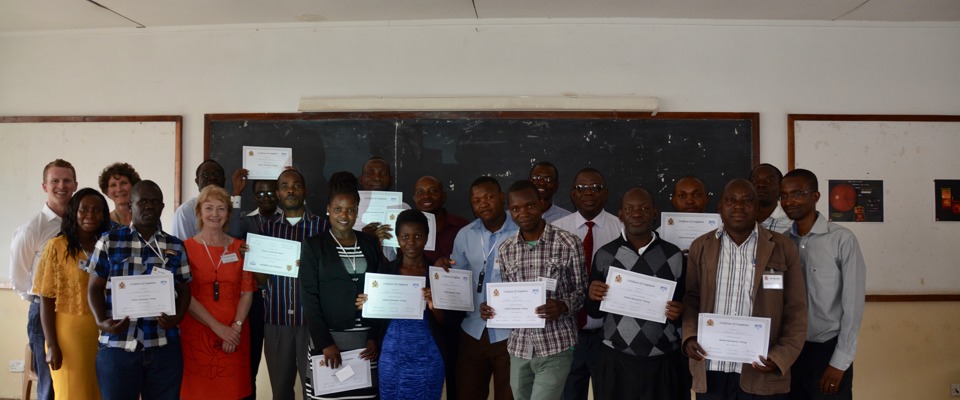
{"x":285,"y":333}
{"x":725,"y":269}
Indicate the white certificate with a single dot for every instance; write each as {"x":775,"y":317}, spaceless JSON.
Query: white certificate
{"x":270,"y":255}
{"x":393,"y":296}
{"x":682,"y":228}
{"x":637,"y":295}
{"x":451,"y":290}
{"x":733,"y":338}
{"x":391,"y":215}
{"x":374,"y":205}
{"x":515,"y":304}
{"x":139,"y":296}
{"x":266,"y":162}
{"x":354,"y":373}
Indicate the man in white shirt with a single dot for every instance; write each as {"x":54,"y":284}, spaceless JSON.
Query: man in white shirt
{"x":59,"y":182}
{"x":209,"y":172}
{"x":595,"y":227}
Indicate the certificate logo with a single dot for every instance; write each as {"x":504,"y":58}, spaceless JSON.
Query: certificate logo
{"x":758,"y":326}
{"x":122,"y":285}
{"x":663,"y":288}
{"x":393,"y":217}
{"x":709,"y":322}
{"x":249,"y":153}
{"x":496,"y":292}
{"x":416,"y":285}
{"x":536,"y":290}
{"x":669,"y":221}
{"x":375,"y":284}
{"x":436,"y":276}
{"x":289,"y":268}
{"x":712,"y":223}
{"x":618,"y":279}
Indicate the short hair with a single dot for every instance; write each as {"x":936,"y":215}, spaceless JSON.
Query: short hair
{"x":117,"y":169}
{"x":653,"y":200}
{"x":807,"y":175}
{"x":59,"y":163}
{"x":344,"y":183}
{"x":70,"y":228}
{"x":144,"y":183}
{"x":412,"y":217}
{"x":547,"y":164}
{"x":213,"y":192}
{"x":486,"y":180}
{"x":524,"y":184}
{"x":209,"y":160}
{"x":775,"y":169}
{"x":292,"y":171}
{"x":590,"y":169}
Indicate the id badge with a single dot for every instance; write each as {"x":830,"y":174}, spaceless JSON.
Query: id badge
{"x":550,"y":282}
{"x":229,"y":258}
{"x":773,"y":280}
{"x":496,"y":265}
{"x":85,"y":265}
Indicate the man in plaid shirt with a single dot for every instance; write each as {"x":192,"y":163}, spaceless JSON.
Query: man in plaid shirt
{"x":540,"y":358}
{"x":141,"y":355}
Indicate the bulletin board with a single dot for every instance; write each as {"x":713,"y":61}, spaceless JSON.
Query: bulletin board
{"x":151,"y":144}
{"x":910,"y":256}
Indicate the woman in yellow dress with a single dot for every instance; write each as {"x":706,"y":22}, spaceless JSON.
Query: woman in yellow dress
{"x":61,"y":282}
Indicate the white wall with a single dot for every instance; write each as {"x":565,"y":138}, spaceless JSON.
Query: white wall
{"x":769,"y":67}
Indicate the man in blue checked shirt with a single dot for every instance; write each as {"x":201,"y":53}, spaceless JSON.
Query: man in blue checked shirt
{"x":139,"y":356}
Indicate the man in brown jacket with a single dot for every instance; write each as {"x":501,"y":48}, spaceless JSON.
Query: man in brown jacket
{"x":724,"y":274}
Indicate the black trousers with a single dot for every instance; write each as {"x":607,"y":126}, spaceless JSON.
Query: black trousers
{"x":807,"y":370}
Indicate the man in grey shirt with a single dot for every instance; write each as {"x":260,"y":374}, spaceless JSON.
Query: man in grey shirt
{"x":835,"y":276}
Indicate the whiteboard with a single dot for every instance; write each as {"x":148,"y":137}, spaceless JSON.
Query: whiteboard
{"x":910,"y":252}
{"x":151,"y":144}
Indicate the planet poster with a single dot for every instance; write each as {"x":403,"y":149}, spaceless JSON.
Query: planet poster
{"x":856,"y":201}
{"x":947,"y":199}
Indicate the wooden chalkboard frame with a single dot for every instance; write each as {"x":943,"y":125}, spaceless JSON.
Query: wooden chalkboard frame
{"x":792,"y":119}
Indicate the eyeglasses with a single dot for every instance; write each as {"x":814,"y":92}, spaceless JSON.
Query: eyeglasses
{"x":596,"y":188}
{"x":261,"y":195}
{"x":542,"y":179}
{"x":211,"y":175}
{"x":795,"y":195}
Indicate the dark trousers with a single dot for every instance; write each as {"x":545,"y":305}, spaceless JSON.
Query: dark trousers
{"x":806,"y":372}
{"x":726,"y":386}
{"x":451,"y":342}
{"x":623,"y":376}
{"x":148,"y":373}
{"x":584,"y":365}
{"x":255,"y":322}
{"x":478,"y":360}
{"x":38,"y":346}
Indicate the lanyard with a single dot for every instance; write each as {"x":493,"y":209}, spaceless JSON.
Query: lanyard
{"x":154,"y":250}
{"x":216,"y":269}
{"x":486,"y":256}
{"x":353,"y":260}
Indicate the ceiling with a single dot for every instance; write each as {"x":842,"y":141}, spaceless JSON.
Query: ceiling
{"x":34,"y":15}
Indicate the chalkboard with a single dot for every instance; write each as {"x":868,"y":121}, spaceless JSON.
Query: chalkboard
{"x":628,"y":148}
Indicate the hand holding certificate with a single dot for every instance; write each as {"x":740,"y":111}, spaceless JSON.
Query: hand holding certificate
{"x":139,"y":296}
{"x":515,"y":304}
{"x":637,"y":295}
{"x":274,"y":256}
{"x":266,"y":162}
{"x":354,"y":373}
{"x":451,"y":290}
{"x":393,"y":296}
{"x":682,"y":228}
{"x":733,"y":338}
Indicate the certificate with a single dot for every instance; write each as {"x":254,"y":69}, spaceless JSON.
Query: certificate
{"x":354,"y":373}
{"x":682,"y":228}
{"x":266,"y":162}
{"x":515,"y":304}
{"x":139,"y":296}
{"x":374,"y":205}
{"x":392,"y":214}
{"x":393,"y":296}
{"x":733,"y":338}
{"x":637,"y":295}
{"x":274,"y":256}
{"x":451,"y":290}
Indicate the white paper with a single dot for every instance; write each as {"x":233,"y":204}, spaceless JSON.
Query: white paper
{"x":733,"y":338}
{"x":270,"y":255}
{"x":327,"y":380}
{"x":391,"y":215}
{"x":637,"y":295}
{"x":373,"y":207}
{"x":452,"y":290}
{"x":266,"y":162}
{"x":682,"y":228}
{"x":393,"y":296}
{"x":515,"y":303}
{"x":140,"y":296}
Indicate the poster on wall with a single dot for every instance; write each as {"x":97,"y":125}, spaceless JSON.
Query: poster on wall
{"x":947,"y":198}
{"x":856,"y":201}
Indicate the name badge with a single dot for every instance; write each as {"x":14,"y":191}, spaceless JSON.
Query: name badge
{"x":496,"y":265}
{"x":772,"y":280}
{"x":160,"y":271}
{"x":551,"y":283}
{"x":85,"y":265}
{"x":229,"y":258}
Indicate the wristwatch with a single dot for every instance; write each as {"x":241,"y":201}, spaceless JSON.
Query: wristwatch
{"x":238,"y":323}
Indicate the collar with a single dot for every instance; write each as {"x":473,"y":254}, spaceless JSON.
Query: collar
{"x":821,"y":225}
{"x":623,"y":237}
{"x":547,"y":230}
{"x":778,"y":213}
{"x":48,"y":213}
{"x":159,"y":234}
{"x":721,"y":232}
{"x":306,"y":215}
{"x":599,"y":219}
{"x":256,"y":212}
{"x":508,"y":225}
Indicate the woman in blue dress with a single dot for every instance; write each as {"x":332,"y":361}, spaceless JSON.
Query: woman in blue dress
{"x":411,"y":357}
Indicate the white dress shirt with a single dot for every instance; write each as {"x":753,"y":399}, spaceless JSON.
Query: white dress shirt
{"x":606,"y":230}
{"x":27,"y":246}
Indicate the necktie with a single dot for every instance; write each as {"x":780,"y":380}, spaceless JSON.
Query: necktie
{"x":588,"y":262}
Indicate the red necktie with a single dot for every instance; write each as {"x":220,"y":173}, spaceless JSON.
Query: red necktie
{"x":588,"y":261}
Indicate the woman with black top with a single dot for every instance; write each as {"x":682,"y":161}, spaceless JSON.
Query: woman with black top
{"x":332,"y":267}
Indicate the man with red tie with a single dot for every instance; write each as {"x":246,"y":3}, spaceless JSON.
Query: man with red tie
{"x":595,"y":227}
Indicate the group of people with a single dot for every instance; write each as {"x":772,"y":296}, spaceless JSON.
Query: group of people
{"x":773,"y":256}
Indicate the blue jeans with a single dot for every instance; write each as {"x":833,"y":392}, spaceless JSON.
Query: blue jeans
{"x":39,"y":349}
{"x":148,"y":373}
